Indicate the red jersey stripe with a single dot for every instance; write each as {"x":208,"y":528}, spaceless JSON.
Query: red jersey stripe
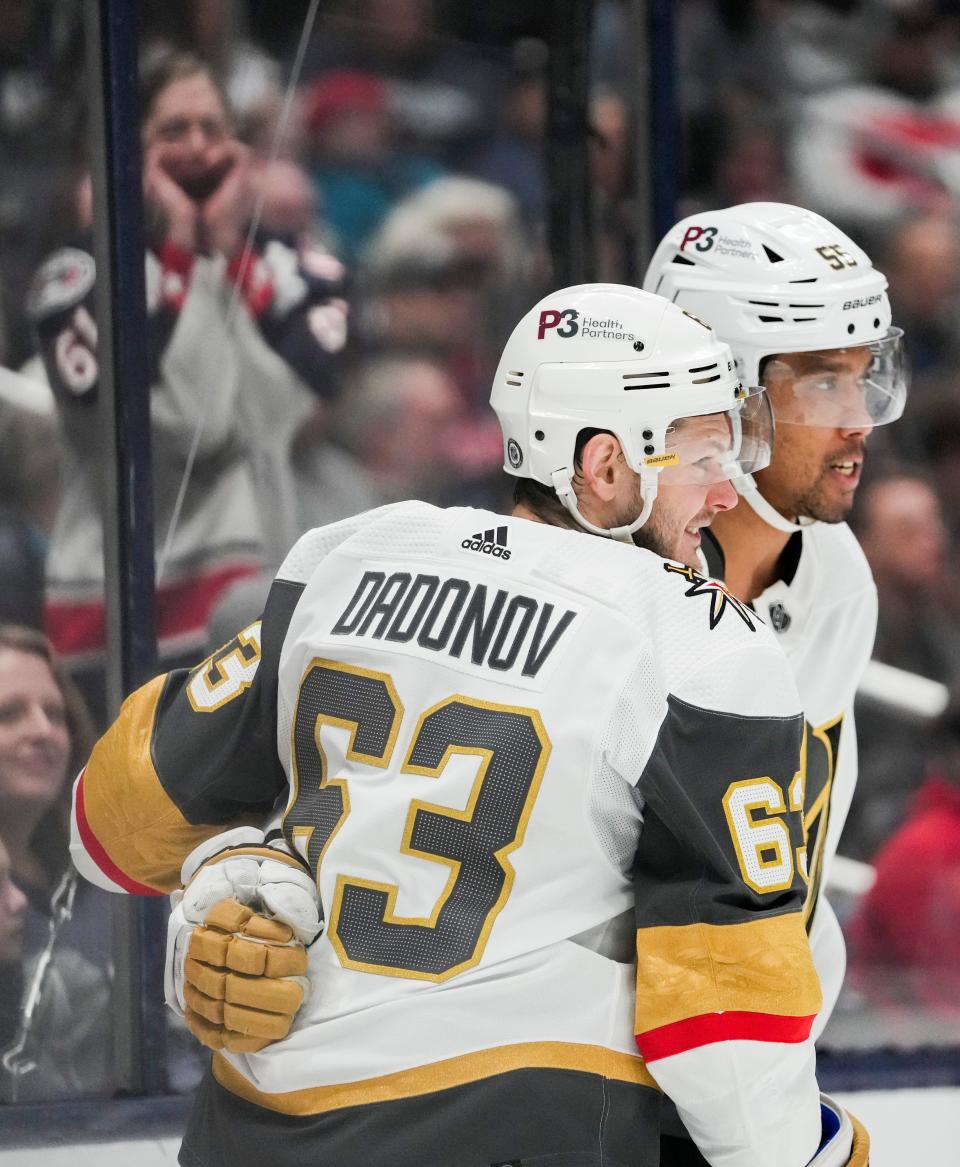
{"x":692,"y":1032}
{"x":99,"y":855}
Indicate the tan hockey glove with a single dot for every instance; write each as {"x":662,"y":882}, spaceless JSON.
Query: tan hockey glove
{"x":236,"y":967}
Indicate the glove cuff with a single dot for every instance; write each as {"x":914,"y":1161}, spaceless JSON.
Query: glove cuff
{"x":210,"y":848}
{"x":255,"y":852}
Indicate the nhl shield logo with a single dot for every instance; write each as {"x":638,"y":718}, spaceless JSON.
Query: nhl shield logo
{"x":779,"y":617}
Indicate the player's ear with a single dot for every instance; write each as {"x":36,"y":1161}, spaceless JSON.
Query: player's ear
{"x":601,"y":466}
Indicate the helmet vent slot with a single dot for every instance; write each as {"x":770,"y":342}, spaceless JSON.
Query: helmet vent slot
{"x":683,"y":259}
{"x":806,"y":305}
{"x":706,"y":380}
{"x":514,"y":373}
{"x":770,"y":319}
{"x":704,"y":368}
{"x":516,"y":384}
{"x":808,"y":280}
{"x":804,"y":320}
{"x":764,"y":303}
{"x":659,"y":385}
{"x":637,"y":376}
{"x":772,"y":255}
{"x":517,"y":373}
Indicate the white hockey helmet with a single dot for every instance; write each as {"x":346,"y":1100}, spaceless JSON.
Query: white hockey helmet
{"x":772,"y":278}
{"x":612,"y":357}
{"x":776,"y":279}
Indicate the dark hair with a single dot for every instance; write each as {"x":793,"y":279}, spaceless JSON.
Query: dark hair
{"x":160,"y":71}
{"x":50,"y":842}
{"x":542,"y":500}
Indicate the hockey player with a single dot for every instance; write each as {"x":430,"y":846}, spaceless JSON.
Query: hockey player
{"x":541,"y":848}
{"x":807,"y":315}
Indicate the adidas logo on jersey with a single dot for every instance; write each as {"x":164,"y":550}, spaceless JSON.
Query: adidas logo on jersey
{"x":490,"y":542}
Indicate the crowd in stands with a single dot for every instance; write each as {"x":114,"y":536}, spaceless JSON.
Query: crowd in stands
{"x":330,"y":281}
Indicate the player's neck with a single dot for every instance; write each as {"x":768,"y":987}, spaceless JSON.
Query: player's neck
{"x":555,"y":516}
{"x":521,"y":511}
{"x":751,"y":550}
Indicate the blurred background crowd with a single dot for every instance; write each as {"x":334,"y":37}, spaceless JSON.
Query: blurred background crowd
{"x":329,"y":282}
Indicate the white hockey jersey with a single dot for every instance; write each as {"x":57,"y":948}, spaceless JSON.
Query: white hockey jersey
{"x":824,"y":617}
{"x":504,"y":748}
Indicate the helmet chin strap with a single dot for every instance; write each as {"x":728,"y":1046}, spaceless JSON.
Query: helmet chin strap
{"x":563,"y":485}
{"x":750,"y":493}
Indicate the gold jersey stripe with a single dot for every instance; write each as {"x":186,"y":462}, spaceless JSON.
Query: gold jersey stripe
{"x":142,"y":832}
{"x":546,"y":1055}
{"x":758,"y":966}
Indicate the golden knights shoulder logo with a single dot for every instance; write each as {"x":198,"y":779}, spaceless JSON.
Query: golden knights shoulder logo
{"x":720,"y":599}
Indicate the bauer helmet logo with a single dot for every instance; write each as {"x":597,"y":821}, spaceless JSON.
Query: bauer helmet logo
{"x":670,"y":458}
{"x":550,"y":318}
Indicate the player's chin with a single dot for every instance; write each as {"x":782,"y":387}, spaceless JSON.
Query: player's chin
{"x":835,"y":509}
{"x":687,"y":548}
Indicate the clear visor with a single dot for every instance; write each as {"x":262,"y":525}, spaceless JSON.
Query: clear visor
{"x":718,"y":446}
{"x":841,"y":388}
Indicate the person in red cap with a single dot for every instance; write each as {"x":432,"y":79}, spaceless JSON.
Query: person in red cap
{"x":355,"y":167}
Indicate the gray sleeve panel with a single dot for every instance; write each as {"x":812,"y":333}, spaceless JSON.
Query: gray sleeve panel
{"x":686,"y":869}
{"x":221,"y":766}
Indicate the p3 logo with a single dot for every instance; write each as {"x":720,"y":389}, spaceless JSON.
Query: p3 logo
{"x":551,"y":318}
{"x":702,"y":238}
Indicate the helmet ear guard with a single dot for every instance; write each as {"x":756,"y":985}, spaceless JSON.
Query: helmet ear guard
{"x":615,"y":358}
{"x":563,"y":487}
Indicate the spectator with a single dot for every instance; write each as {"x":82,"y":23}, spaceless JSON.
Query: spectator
{"x":45,"y":733}
{"x":512,"y":155}
{"x":900,"y":525}
{"x":427,"y":299}
{"x":910,"y":919}
{"x":41,"y":71}
{"x":923,"y":266}
{"x":216,"y":31}
{"x":872,"y":149}
{"x":236,"y":343}
{"x":65,"y":1051}
{"x":938,"y":429}
{"x":460,"y":238}
{"x":430,"y":302}
{"x":356,"y":169}
{"x":30,"y":466}
{"x":438,"y":94}
{"x":398,"y":434}
{"x":289,"y":210}
{"x":752,"y":167}
{"x":400,"y":421}
{"x":610,"y":176}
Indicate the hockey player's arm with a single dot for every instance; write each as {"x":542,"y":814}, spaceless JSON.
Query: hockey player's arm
{"x":191,"y":752}
{"x":726,"y":988}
